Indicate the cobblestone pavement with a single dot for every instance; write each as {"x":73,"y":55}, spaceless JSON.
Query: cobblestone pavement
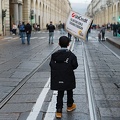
{"x":105,"y":74}
{"x":17,"y":61}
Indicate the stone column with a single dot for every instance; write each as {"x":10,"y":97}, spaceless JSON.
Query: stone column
{"x":20,"y":13}
{"x":16,"y":20}
{"x":0,"y":19}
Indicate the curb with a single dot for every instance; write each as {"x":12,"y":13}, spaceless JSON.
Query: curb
{"x":113,"y":43}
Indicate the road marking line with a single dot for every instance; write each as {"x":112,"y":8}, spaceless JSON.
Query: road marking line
{"x":91,"y":100}
{"x":8,"y":38}
{"x":42,"y":37}
{"x":37,"y":107}
{"x":111,"y":51}
{"x":50,"y":114}
{"x":33,"y":37}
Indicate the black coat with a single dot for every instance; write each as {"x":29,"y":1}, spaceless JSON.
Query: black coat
{"x":62,"y":64}
{"x":28,"y":28}
{"x":51,"y":28}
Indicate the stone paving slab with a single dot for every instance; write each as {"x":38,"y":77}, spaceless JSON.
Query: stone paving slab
{"x":26,"y":91}
{"x":13,"y":116}
{"x":22,"y":98}
{"x":75,"y":116}
{"x":16,"y":108}
{"x":107,"y":95}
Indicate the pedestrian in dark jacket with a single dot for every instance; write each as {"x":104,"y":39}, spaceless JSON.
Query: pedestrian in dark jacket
{"x":51,"y":29}
{"x":114,"y":29}
{"x":103,"y":32}
{"x":28,"y":29}
{"x":63,"y":62}
{"x":69,"y":36}
{"x":22,"y":31}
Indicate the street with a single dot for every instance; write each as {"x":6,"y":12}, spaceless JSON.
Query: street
{"x":28,"y":66}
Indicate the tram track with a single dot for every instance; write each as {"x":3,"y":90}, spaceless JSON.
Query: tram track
{"x":23,"y":81}
{"x":94,"y":114}
{"x":91,"y":100}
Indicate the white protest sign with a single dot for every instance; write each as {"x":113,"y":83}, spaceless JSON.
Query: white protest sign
{"x":78,"y":25}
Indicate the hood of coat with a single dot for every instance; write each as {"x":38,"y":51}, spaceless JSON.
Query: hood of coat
{"x":61,"y":55}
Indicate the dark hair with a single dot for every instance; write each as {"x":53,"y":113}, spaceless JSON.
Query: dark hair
{"x":64,"y":41}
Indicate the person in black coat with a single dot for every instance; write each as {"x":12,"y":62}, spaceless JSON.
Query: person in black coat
{"x":51,"y":29}
{"x":28,"y":29}
{"x":114,"y":29}
{"x":62,"y":64}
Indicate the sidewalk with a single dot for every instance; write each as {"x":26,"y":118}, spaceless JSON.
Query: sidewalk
{"x":9,"y":37}
{"x":113,"y":39}
{"x":26,"y":59}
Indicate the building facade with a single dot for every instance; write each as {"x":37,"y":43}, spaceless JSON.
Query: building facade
{"x":104,"y":11}
{"x":33,"y":11}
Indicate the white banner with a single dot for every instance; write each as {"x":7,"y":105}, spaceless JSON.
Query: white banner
{"x":78,"y":25}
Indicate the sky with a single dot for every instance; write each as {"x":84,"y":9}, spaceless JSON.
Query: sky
{"x":80,"y":1}
{"x":80,"y":6}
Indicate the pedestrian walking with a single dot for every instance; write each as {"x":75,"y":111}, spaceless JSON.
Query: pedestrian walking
{"x":61,"y":27}
{"x":51,"y":29}
{"x":19,"y":28}
{"x":118,"y":28}
{"x":28,"y":29}
{"x":69,"y":36}
{"x":47,"y":26}
{"x":88,"y":33}
{"x":114,"y":29}
{"x":35,"y":26}
{"x":62,"y":64}
{"x":103,"y":32}
{"x":99,"y":36}
{"x":14,"y":29}
{"x":76,"y":38}
{"x":22,"y":30}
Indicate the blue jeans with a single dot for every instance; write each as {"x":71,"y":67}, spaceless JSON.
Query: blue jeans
{"x":23,"y":37}
{"x":28,"y":38}
{"x":61,"y":31}
{"x":19,"y":33}
{"x":51,"y":34}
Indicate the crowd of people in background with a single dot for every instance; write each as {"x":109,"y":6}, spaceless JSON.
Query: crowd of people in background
{"x":24,"y":30}
{"x":115,"y":28}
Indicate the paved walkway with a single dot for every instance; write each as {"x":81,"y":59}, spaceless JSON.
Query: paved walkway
{"x":104,"y":72}
{"x":114,"y":40}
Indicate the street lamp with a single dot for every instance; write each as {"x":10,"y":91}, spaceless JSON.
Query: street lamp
{"x":4,"y":13}
{"x":32,"y":14}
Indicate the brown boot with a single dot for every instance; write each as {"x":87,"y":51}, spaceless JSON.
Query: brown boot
{"x":59,"y":113}
{"x":73,"y":107}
